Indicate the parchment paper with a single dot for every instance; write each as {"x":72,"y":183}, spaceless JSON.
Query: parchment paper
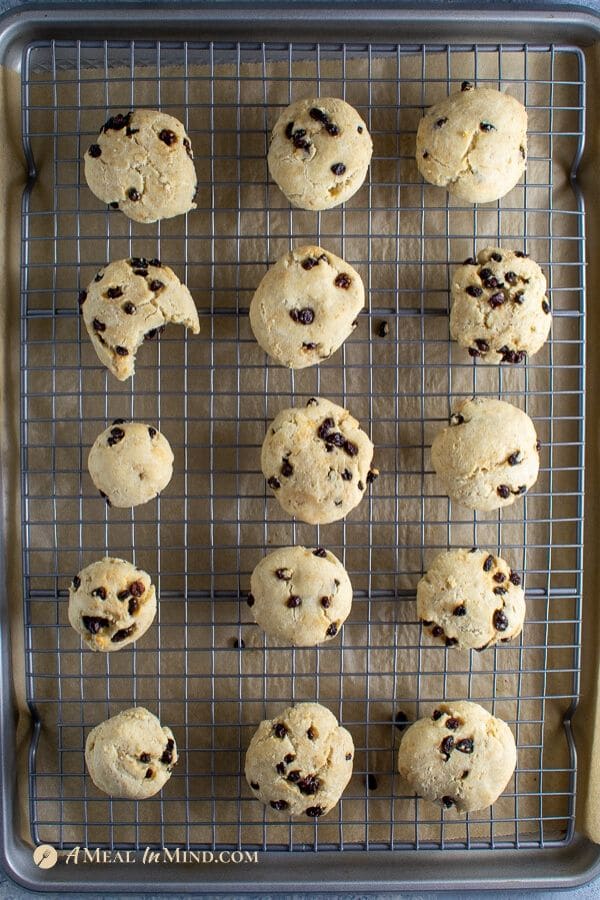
{"x":214,"y":521}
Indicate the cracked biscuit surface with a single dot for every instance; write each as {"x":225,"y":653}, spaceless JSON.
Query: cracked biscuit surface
{"x":471,"y":599}
{"x":130,"y":755}
{"x":317,"y":461}
{"x":300,"y":762}
{"x":500,"y":311}
{"x":128,"y":302}
{"x":301,"y":596}
{"x":142,"y":163}
{"x":111,"y":604}
{"x":460,"y":757}
{"x":488,"y":455}
{"x":320,"y":152}
{"x":473,"y":143}
{"x":130,"y":463}
{"x":306,"y":306}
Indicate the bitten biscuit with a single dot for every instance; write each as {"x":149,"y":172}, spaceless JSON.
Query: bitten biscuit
{"x":300,"y":596}
{"x":471,"y":598}
{"x":129,"y":302}
{"x":488,"y":455}
{"x":130,"y":755}
{"x":111,"y":604}
{"x":300,"y":762}
{"x":473,"y":143}
{"x":460,"y":757}
{"x":142,"y":164}
{"x":317,"y":461}
{"x":306,"y":306}
{"x":320,"y":152}
{"x":500,"y":311}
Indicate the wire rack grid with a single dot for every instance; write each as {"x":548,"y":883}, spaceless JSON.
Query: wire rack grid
{"x":213,"y":397}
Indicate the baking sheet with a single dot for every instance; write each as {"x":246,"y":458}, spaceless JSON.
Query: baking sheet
{"x":213,"y":523}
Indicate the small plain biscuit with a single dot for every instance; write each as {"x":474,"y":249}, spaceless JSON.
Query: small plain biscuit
{"x":318,"y":461}
{"x":130,"y":755}
{"x":460,"y":757}
{"x":129,"y":302}
{"x":473,"y":143}
{"x":111,"y":604}
{"x":471,"y":598}
{"x":488,"y":455}
{"x":301,"y":596}
{"x":142,"y":163}
{"x":306,"y":306}
{"x":319,"y":153}
{"x":300,"y":762}
{"x":130,"y":463}
{"x":500,"y":311}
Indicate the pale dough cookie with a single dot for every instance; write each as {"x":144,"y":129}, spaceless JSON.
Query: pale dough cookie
{"x":471,"y":598}
{"x":474,"y":143}
{"x":306,"y":306}
{"x":319,"y":153}
{"x":111,"y":604}
{"x":300,"y":596}
{"x":129,"y":302}
{"x":488,"y":455}
{"x":130,"y":463}
{"x":142,"y":163}
{"x":300,"y":762}
{"x":318,"y":461}
{"x":459,"y":757}
{"x":500,"y":311}
{"x":130,"y":755}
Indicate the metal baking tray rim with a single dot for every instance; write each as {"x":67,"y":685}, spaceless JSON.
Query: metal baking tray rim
{"x":576,"y":863}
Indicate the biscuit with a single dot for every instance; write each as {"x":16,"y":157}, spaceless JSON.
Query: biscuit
{"x":500,"y":311}
{"x":320,"y":152}
{"x":130,"y":463}
{"x":473,"y":143}
{"x":461,"y":757}
{"x":488,"y":455}
{"x":130,"y":755}
{"x":142,"y":164}
{"x":111,"y":604}
{"x":471,"y":598}
{"x":300,"y":762}
{"x":306,"y":306}
{"x":301,"y":597}
{"x":129,"y":302}
{"x":317,"y":461}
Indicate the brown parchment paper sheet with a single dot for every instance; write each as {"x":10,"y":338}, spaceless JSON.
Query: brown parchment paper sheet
{"x":202,"y":539}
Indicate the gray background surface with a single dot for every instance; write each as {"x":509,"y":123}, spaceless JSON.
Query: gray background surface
{"x":11,"y":891}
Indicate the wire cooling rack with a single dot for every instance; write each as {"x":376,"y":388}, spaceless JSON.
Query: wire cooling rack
{"x":213,"y":397}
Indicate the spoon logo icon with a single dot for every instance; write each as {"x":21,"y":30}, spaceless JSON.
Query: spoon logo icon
{"x":45,"y":856}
